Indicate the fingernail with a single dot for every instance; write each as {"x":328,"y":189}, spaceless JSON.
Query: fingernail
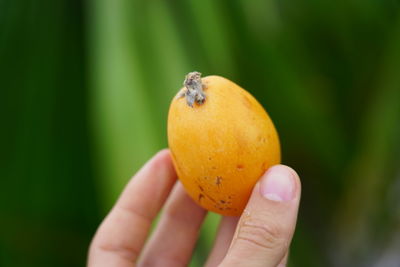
{"x":278,"y":184}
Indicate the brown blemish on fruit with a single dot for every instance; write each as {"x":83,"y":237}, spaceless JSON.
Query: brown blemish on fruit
{"x":222,"y":201}
{"x":241,"y":141}
{"x":240,"y":167}
{"x":264,"y":166}
{"x":246,"y":101}
{"x":201,"y":188}
{"x":213,"y":200}
{"x":209,"y":158}
{"x":201,"y":196}
{"x":261,"y":138}
{"x":218,"y":180}
{"x":208,"y":196}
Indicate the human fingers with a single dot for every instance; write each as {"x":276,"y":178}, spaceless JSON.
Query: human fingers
{"x":223,"y":239}
{"x":176,"y":234}
{"x":120,"y":237}
{"x":266,"y":227}
{"x":284,"y":260}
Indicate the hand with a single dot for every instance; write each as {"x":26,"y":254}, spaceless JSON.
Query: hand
{"x":260,"y":237}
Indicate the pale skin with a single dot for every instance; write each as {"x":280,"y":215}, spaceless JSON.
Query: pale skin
{"x":260,"y":237}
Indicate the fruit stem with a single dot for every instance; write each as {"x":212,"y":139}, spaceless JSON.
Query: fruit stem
{"x":194,"y":89}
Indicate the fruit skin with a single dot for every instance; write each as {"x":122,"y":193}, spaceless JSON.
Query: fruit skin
{"x":221,"y":147}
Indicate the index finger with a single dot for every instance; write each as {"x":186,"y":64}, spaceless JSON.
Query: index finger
{"x":121,"y":236}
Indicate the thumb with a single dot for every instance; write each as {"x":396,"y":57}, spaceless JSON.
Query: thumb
{"x":266,"y":227}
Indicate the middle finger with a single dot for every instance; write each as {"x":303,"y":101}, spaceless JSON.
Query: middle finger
{"x":175,"y":236}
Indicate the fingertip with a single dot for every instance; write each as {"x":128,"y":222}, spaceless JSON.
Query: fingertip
{"x":164,"y":155}
{"x":290,"y":169}
{"x":162,"y":161}
{"x":124,"y":231}
{"x":280,"y":183}
{"x":283,"y":168}
{"x":295,"y":176}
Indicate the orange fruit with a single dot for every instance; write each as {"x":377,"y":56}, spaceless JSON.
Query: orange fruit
{"x":221,"y":140}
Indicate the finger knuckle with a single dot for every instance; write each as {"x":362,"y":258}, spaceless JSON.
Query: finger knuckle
{"x":262,"y":235}
{"x":124,"y":251}
{"x":161,"y":261}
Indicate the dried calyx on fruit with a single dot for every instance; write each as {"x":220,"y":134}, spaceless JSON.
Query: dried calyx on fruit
{"x":193,"y":91}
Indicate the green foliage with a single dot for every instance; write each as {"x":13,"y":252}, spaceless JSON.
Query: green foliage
{"x":85,"y":90}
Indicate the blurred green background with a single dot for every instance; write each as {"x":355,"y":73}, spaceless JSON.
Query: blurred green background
{"x":85,"y":90}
